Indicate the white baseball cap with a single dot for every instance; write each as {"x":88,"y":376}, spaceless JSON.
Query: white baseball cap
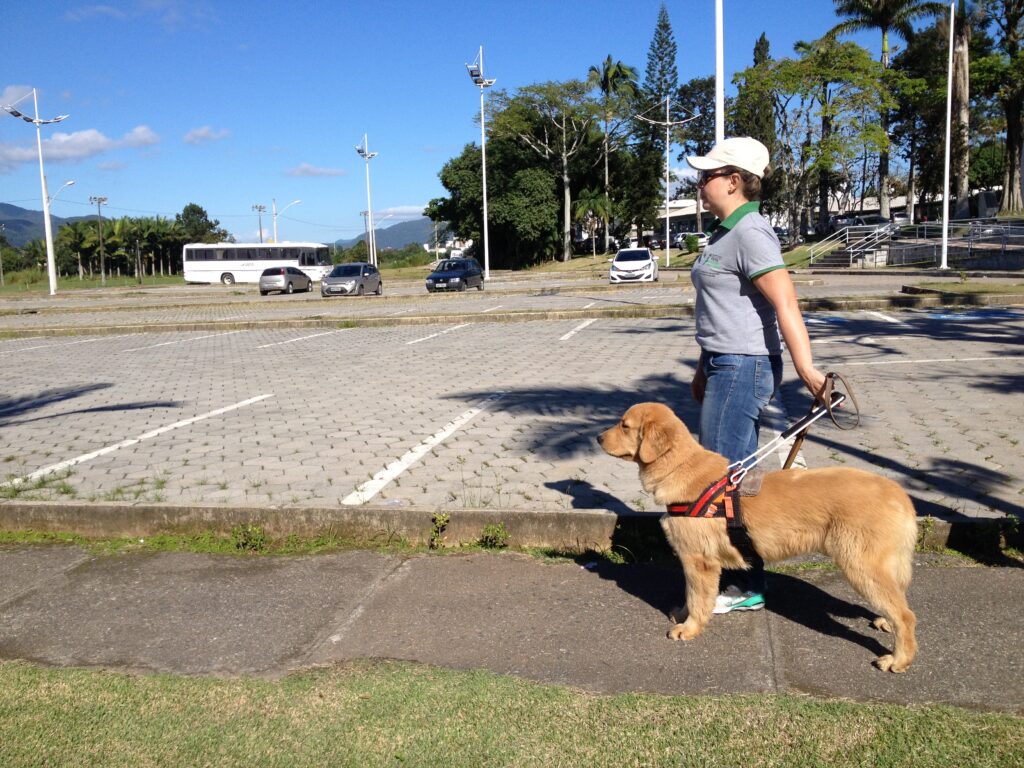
{"x":740,"y":152}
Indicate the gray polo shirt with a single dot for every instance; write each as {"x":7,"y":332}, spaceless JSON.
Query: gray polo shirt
{"x":732,"y":315}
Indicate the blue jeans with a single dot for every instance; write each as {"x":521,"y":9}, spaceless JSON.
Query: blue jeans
{"x":739,"y":388}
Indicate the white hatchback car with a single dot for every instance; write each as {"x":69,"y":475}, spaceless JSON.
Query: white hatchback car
{"x":633,"y":265}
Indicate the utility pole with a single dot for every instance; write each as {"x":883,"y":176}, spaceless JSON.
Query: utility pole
{"x":260,"y":210}
{"x":3,"y":227}
{"x":100,"y":202}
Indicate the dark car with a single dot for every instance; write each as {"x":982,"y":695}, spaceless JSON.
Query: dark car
{"x":456,"y":275}
{"x":357,"y":278}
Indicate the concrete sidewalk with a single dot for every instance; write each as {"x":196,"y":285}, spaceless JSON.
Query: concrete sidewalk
{"x":596,"y":627}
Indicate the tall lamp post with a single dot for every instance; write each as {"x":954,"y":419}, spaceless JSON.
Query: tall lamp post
{"x":260,"y":210}
{"x":276,"y":212}
{"x":476,"y":74}
{"x":944,"y":263}
{"x":100,"y":202}
{"x":51,"y":265}
{"x":371,"y":244}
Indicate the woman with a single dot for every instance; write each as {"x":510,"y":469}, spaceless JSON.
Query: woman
{"x":745,"y":298}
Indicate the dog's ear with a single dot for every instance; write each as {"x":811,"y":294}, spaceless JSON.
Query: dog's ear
{"x":654,"y":441}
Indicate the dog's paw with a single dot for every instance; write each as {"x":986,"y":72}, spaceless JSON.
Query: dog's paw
{"x":887,"y":663}
{"x":683,"y":632}
{"x":881,"y":624}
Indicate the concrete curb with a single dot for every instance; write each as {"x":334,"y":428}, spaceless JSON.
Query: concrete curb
{"x":569,"y":531}
{"x":649,"y":311}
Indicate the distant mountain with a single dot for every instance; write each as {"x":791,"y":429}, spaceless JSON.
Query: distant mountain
{"x":22,"y":225}
{"x":400,"y":235}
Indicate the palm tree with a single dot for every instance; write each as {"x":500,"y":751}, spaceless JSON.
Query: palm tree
{"x":592,"y":207}
{"x":887,"y":16}
{"x":614,"y":80}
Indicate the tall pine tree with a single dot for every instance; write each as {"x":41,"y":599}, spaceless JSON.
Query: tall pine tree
{"x":753,"y":114}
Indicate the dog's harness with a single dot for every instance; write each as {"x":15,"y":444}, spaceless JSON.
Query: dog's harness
{"x":720,"y":499}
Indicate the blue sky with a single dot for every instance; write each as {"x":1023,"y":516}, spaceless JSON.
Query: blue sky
{"x":229,"y":104}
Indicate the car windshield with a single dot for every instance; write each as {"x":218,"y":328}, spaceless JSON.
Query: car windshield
{"x":273,"y":271}
{"x":637,"y":255}
{"x":875,"y":220}
{"x":452,"y":265}
{"x":346,"y":270}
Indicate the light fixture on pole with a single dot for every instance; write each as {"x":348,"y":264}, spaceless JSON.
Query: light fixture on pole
{"x":476,"y":74}
{"x":65,"y":185}
{"x":100,"y":202}
{"x":51,"y":265}
{"x":371,"y":245}
{"x":944,"y":264}
{"x":260,"y":210}
{"x":276,"y":212}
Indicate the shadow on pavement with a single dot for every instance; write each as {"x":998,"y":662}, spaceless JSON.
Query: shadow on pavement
{"x":11,"y":407}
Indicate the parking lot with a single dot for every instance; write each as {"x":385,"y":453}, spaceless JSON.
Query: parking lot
{"x":473,"y":414}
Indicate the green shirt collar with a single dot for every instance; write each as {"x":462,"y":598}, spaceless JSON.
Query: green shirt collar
{"x":754,"y":206}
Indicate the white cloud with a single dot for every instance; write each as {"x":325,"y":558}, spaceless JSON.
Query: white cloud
{"x":400,"y":213}
{"x":74,"y":147}
{"x":305,"y":169}
{"x":206,"y":134}
{"x":91,"y":11}
{"x":13,"y":93}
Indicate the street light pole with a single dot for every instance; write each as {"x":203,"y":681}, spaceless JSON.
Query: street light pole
{"x":274,"y":203}
{"x":719,"y":74}
{"x":476,"y":74}
{"x":944,"y":263}
{"x":100,"y":202}
{"x":371,"y":245}
{"x":260,"y":209}
{"x":51,"y":265}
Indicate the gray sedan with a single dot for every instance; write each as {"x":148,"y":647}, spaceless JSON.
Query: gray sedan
{"x":357,"y":278}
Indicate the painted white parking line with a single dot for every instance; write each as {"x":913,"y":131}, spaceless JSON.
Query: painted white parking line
{"x":301,"y":338}
{"x":439,"y":333}
{"x":180,"y":341}
{"x":65,"y":344}
{"x":935,"y":360}
{"x":491,"y":309}
{"x":400,"y":312}
{"x":885,"y":317}
{"x":125,"y":443}
{"x":775,"y":421}
{"x":373,"y":486}
{"x":588,"y":306}
{"x":578,"y":328}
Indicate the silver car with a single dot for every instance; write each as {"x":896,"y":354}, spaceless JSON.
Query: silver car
{"x":285,"y":280}
{"x":357,"y":278}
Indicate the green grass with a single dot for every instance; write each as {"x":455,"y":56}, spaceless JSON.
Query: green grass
{"x":976,"y":286}
{"x":33,"y":281}
{"x":384,"y":714}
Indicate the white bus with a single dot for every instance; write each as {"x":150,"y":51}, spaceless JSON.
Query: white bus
{"x":231,"y":263}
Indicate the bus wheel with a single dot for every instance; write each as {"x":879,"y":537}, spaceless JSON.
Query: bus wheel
{"x":227,"y":278}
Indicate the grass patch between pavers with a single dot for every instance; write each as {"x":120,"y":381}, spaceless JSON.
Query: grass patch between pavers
{"x":389,"y":713}
{"x":974,"y":286}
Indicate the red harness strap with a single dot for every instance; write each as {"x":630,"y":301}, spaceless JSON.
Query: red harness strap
{"x":720,"y":499}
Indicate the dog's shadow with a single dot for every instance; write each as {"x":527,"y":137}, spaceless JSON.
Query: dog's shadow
{"x":662,"y":586}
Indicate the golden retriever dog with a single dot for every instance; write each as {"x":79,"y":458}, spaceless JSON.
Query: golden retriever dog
{"x":864,"y":522}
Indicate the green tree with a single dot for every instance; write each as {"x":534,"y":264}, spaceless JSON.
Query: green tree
{"x":886,"y":16}
{"x":753,"y":114}
{"x":196,"y":225}
{"x":1001,"y":75}
{"x":697,"y":137}
{"x":617,"y":85}
{"x":554,"y":120}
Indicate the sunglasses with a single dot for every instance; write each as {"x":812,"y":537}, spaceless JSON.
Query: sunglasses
{"x":706,"y":176}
